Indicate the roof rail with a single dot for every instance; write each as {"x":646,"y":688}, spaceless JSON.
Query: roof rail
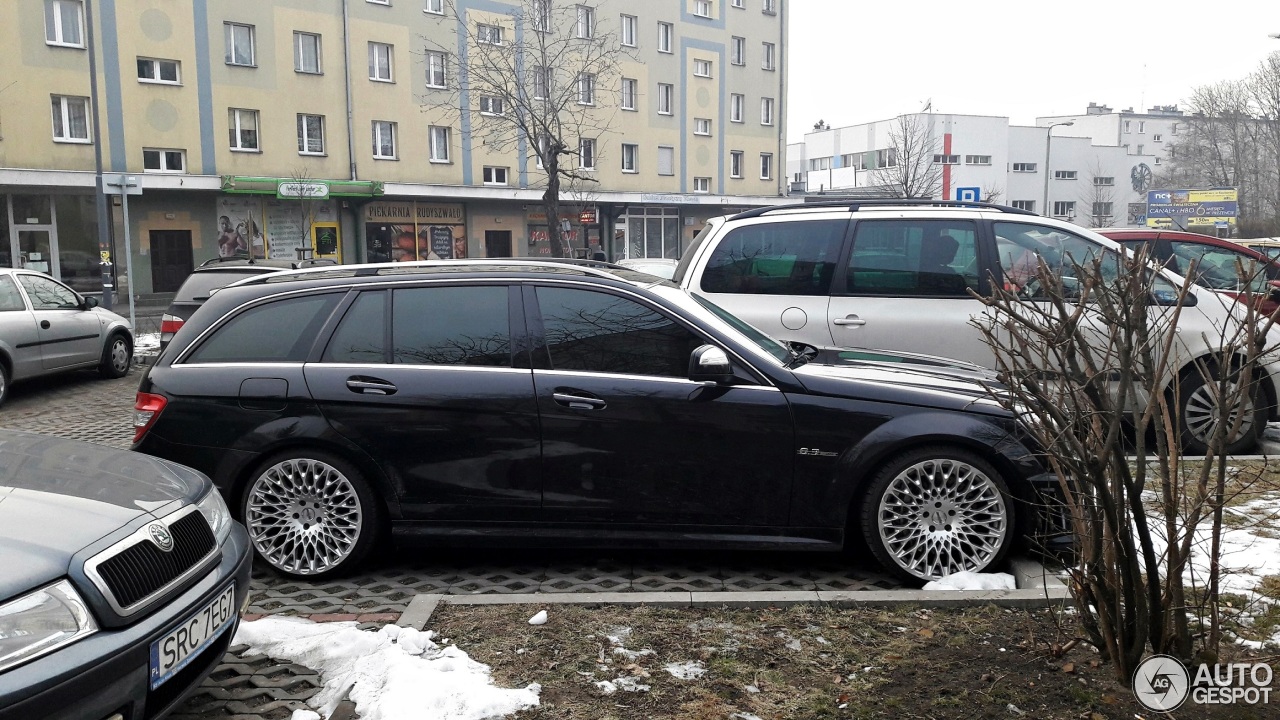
{"x":856,"y":205}
{"x":589,"y":267}
{"x":229,"y":258}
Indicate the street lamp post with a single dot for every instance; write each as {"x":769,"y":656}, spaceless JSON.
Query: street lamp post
{"x":1048,"y":143}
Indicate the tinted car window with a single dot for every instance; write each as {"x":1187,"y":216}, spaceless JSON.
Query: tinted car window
{"x":199,"y":285}
{"x":10,"y":298}
{"x":1216,"y":267}
{"x":46,"y":294}
{"x":786,"y":258}
{"x":451,"y":326}
{"x":913,"y":257}
{"x":280,"y":331}
{"x":599,"y":332}
{"x":1020,"y":245}
{"x":361,"y":337}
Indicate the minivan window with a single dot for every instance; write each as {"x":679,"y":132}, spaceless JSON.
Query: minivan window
{"x":466,"y":325}
{"x":361,"y":337}
{"x":10,"y":298}
{"x":279,"y":331}
{"x":783,"y":258}
{"x":599,"y":332}
{"x":913,"y":257}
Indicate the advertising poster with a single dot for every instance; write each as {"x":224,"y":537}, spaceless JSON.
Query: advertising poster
{"x":406,"y":231}
{"x":269,"y":227}
{"x":240,"y":227}
{"x":1184,"y":208}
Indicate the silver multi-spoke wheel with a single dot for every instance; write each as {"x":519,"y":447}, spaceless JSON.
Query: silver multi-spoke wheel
{"x":1202,"y":413}
{"x":941,"y":516}
{"x":120,"y":355}
{"x":304,"y":516}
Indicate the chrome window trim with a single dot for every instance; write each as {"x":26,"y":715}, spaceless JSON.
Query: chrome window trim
{"x":658,"y":378}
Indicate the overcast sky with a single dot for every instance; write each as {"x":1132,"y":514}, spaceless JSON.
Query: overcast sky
{"x":855,"y":61}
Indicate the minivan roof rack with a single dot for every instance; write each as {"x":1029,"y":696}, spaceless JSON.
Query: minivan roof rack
{"x":597,"y":268}
{"x":856,"y":205}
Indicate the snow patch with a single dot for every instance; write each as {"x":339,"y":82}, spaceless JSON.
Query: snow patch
{"x":382,"y":674}
{"x":691,"y":670}
{"x":305,"y":715}
{"x":969,"y":580}
{"x":146,"y":341}
{"x":539,"y":619}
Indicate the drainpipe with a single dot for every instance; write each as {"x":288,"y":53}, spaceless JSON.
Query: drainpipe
{"x":780,"y":159}
{"x":346,"y":77}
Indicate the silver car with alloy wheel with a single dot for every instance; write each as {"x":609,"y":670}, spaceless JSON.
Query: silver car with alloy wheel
{"x":46,"y":327}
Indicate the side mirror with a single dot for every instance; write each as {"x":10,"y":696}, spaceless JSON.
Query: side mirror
{"x":90,"y":303}
{"x":710,"y":364}
{"x":1169,"y":298}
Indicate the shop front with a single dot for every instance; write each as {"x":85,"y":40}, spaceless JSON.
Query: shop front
{"x":285,"y":219}
{"x":52,"y":233}
{"x":403,"y":231}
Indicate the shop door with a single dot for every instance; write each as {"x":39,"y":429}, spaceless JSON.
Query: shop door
{"x":497,"y":243}
{"x":171,"y":260}
{"x":35,"y":250}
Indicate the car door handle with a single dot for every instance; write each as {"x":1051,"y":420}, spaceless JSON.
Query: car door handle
{"x":44,"y":324}
{"x":849,"y":320}
{"x":370,"y":386}
{"x":577,"y":402}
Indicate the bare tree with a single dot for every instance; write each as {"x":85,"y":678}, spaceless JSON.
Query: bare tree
{"x":542,"y":79}
{"x":1099,"y":197}
{"x":306,"y":191}
{"x":910,"y":170}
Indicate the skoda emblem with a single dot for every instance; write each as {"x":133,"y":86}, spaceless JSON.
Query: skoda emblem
{"x":160,"y":536}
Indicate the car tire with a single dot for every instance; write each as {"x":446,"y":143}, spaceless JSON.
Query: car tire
{"x":4,"y":383}
{"x":910,"y":512}
{"x":117,"y":356}
{"x":1198,"y":414}
{"x":310,"y":513}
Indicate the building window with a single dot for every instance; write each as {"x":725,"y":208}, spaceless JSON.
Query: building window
{"x":586,"y":89}
{"x":766,"y":111}
{"x":380,"y":62}
{"x":666,"y":98}
{"x":542,"y":15}
{"x":70,"y":119}
{"x":769,"y":55}
{"x":436,"y":70}
{"x":1141,"y":149}
{"x":1102,"y":209}
{"x":770,"y":7}
{"x":166,"y":72}
{"x":630,"y":158}
{"x":738,"y":51}
{"x":702,"y":185}
{"x":491,"y":105}
{"x":819,"y":164}
{"x":489,"y":34}
{"x":587,"y":154}
{"x":1173,"y":129}
{"x":586,"y":28}
{"x":1024,"y":167}
{"x":1142,"y":126}
{"x":164,"y":161}
{"x":702,"y":68}
{"x":739,"y":4}
{"x":243,"y":125}
{"x":1064,"y":208}
{"x":1157,"y":137}
{"x":384,"y":140}
{"x":380,"y":2}
{"x":702,"y":8}
{"x":1064,"y":175}
{"x":629,"y":30}
{"x":1128,"y":126}
{"x":701,"y":126}
{"x":439,"y":144}
{"x":239,"y":44}
{"x":64,"y":23}
{"x":541,"y":81}
{"x":666,"y":160}
{"x":737,"y":105}
{"x":857,"y":161}
{"x":1104,"y":181}
{"x":495,"y":175}
{"x":1028,"y":205}
{"x":310,"y":134}
{"x":665,"y":34}
{"x":735,"y":164}
{"x":766,"y":166}
{"x":977,"y":159}
{"x":946,"y":159}
{"x":435,"y":7}
{"x":629,"y":90}
{"x":306,"y":53}
{"x":887,"y":158}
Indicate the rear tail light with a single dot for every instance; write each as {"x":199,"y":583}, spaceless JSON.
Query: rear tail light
{"x":145,"y":411}
{"x":170,"y":324}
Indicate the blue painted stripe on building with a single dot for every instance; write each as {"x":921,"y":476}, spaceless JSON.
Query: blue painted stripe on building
{"x":204,"y":87}
{"x":689,"y":17}
{"x":111,"y":70}
{"x":465,"y":142}
{"x":690,"y":83}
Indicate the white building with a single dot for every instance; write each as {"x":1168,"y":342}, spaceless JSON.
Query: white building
{"x":1092,"y":180}
{"x":1153,"y":132}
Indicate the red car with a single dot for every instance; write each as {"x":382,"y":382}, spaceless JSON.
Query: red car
{"x":1215,"y":260}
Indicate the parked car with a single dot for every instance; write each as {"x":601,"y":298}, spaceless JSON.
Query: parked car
{"x":896,"y":274}
{"x":657,"y":267}
{"x":121,"y":580}
{"x":46,"y":327}
{"x":1267,"y":246}
{"x":213,"y":275}
{"x":1218,"y":262}
{"x":544,"y":403}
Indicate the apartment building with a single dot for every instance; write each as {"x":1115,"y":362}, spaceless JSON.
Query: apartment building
{"x":292,"y":128}
{"x":1051,"y":169}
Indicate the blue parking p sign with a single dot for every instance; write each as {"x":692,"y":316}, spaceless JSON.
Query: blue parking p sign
{"x":969,"y":194}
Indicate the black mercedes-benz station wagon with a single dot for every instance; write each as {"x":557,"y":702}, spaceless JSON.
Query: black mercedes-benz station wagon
{"x":121,"y":580}
{"x":543,"y":403}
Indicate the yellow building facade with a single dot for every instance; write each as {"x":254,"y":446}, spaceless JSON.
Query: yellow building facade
{"x":291,"y":128}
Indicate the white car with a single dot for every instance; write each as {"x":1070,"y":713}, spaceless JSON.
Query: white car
{"x":895,"y":275}
{"x":658,"y":267}
{"x":46,"y":327}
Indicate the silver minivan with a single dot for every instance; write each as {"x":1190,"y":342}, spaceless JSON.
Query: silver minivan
{"x":46,"y":327}
{"x":896,"y":275}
